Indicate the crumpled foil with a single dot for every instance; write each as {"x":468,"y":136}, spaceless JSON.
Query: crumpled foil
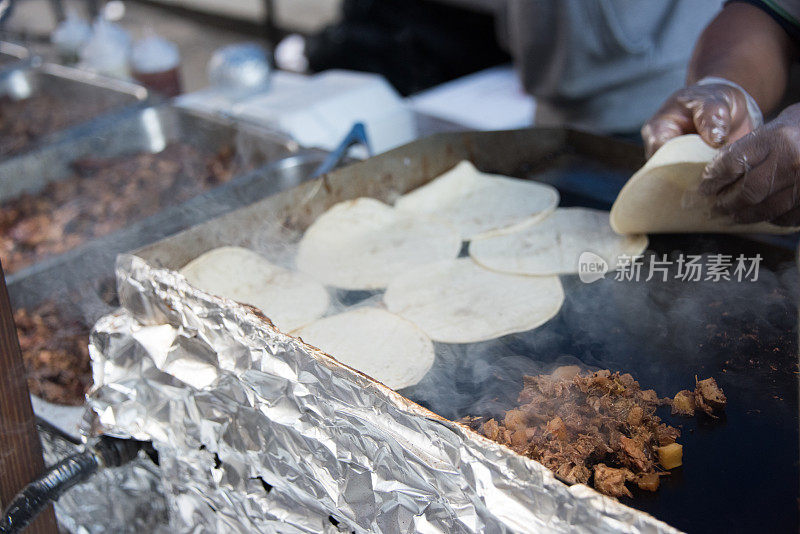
{"x":257,"y":431}
{"x":127,"y":499}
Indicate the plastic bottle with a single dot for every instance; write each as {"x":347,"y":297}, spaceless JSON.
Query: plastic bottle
{"x":108,"y":51}
{"x":155,"y":62}
{"x":70,"y":36}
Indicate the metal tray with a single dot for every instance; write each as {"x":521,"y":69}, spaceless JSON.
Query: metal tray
{"x":740,"y":472}
{"x":70,"y":86}
{"x":14,"y":56}
{"x":81,"y":281}
{"x":145,"y":130}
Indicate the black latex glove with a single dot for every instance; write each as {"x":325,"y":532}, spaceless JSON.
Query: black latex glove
{"x":757,"y":178}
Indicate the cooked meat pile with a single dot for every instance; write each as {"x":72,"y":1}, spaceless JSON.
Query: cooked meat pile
{"x":600,"y":427}
{"x":104,"y":195}
{"x":25,"y":121}
{"x":56,"y":354}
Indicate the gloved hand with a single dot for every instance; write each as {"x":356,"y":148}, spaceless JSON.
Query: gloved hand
{"x":714,"y":108}
{"x":757,"y":178}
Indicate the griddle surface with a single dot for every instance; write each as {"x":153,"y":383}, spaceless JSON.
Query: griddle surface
{"x":740,"y":472}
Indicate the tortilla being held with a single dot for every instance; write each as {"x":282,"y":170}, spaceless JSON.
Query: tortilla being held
{"x":663,"y":197}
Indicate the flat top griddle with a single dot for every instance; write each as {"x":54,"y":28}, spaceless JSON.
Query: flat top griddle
{"x":740,"y":472}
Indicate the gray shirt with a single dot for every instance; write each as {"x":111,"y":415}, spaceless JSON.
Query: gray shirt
{"x":602,"y":65}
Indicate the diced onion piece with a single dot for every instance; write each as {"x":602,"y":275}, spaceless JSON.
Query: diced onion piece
{"x":683,"y":403}
{"x":670,"y":456}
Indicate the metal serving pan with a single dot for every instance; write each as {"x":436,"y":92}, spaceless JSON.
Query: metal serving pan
{"x":740,"y":472}
{"x":70,"y":87}
{"x":145,"y":130}
{"x":13,"y":56}
{"x":81,"y":281}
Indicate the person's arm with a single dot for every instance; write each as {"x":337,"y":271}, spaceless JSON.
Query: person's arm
{"x":743,"y":45}
{"x":748,"y":50}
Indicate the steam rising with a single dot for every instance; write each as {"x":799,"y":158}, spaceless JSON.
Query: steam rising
{"x":663,"y":333}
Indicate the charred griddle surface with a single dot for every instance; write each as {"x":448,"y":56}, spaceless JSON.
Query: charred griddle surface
{"x":740,"y":472}
{"x":104,"y":195}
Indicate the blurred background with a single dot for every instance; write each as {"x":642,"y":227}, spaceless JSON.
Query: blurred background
{"x":360,"y":34}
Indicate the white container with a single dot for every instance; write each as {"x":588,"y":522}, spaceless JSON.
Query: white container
{"x":223,"y":100}
{"x":322,"y":111}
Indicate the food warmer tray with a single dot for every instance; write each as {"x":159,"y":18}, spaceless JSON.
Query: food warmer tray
{"x":149,"y":129}
{"x":14,"y":56}
{"x":81,"y":281}
{"x":70,"y":86}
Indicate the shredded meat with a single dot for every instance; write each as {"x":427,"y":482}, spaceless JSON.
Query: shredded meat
{"x":683,"y":403}
{"x":56,"y":354}
{"x":708,"y":396}
{"x":599,"y":427}
{"x":25,"y":121}
{"x":611,"y":480}
{"x":102,"y":196}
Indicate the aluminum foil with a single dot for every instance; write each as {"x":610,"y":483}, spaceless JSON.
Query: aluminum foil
{"x":127,"y":499}
{"x":257,"y":431}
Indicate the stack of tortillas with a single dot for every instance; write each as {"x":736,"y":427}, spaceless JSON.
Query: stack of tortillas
{"x":662,"y":196}
{"x":520,"y":243}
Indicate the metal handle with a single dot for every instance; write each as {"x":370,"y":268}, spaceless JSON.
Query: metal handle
{"x":356,"y":136}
